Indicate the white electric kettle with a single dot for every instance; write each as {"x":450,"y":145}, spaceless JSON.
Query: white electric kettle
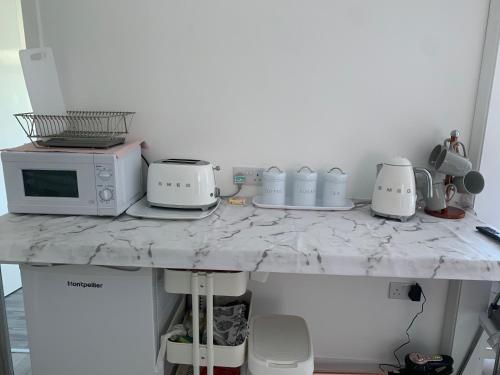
{"x":394,"y":194}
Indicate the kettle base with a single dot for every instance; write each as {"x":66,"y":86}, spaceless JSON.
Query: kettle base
{"x":388,"y":216}
{"x":447,"y":213}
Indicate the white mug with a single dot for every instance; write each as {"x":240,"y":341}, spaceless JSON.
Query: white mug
{"x":273,"y":186}
{"x":471,"y":183}
{"x":447,"y":145}
{"x":452,"y":163}
{"x":334,"y":187}
{"x":435,"y":154}
{"x":304,"y":187}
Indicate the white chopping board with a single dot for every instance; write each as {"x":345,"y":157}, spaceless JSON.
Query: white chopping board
{"x":346,"y":206}
{"x":143,"y":209}
{"x":42,"y":81}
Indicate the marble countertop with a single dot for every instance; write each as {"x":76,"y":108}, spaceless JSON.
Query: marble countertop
{"x":253,"y":239}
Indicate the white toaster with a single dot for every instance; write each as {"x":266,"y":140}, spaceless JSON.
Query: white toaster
{"x":182,"y":183}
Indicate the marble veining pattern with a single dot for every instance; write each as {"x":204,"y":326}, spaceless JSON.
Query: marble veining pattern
{"x":249,"y":238}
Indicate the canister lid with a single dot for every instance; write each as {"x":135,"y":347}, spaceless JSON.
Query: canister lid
{"x":280,"y":339}
{"x":306,"y":173}
{"x":274,"y":174}
{"x":336,"y":174}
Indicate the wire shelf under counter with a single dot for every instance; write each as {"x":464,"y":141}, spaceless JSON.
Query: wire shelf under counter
{"x":89,"y":129}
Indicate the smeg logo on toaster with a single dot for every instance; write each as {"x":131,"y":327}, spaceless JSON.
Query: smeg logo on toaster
{"x":174,"y":184}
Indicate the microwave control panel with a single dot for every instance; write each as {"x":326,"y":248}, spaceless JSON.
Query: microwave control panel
{"x":105,"y":183}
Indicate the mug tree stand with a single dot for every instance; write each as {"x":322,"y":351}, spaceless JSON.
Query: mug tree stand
{"x":447,"y":213}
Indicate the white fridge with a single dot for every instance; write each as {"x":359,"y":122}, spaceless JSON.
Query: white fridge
{"x":90,"y":320}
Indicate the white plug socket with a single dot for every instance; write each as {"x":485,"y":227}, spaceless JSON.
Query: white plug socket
{"x":253,"y":176}
{"x":399,"y":290}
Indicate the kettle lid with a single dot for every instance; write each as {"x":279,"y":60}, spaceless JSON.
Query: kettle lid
{"x":398,"y":161}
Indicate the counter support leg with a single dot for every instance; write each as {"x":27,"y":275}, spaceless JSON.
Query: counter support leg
{"x":470,"y":350}
{"x":497,"y":360}
{"x":196,"y":322}
{"x":6,"y":367}
{"x":210,"y":323}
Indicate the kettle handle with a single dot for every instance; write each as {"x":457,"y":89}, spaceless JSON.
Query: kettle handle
{"x":428,"y":176}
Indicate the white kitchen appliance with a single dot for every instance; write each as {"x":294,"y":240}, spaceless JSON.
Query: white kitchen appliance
{"x":182,"y":183}
{"x":95,"y":320}
{"x":85,"y":182}
{"x":394,"y":194}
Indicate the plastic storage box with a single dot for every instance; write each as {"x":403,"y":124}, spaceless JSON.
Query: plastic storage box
{"x":279,"y":345}
{"x":224,"y":356}
{"x":225,"y":283}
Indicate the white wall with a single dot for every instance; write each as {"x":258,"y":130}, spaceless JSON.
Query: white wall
{"x":350,"y":318}
{"x":13,"y":99}
{"x":287,"y":82}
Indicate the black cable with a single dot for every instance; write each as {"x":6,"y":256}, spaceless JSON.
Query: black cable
{"x":408,"y":329}
{"x":147,"y":164}
{"x":232,"y":195}
{"x":408,"y":341}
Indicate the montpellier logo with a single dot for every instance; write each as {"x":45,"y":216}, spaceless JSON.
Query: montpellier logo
{"x":80,"y":284}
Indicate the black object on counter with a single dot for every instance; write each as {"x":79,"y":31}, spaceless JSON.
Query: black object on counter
{"x":490,"y":232}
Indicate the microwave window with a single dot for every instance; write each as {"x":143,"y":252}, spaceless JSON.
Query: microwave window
{"x":47,"y":183}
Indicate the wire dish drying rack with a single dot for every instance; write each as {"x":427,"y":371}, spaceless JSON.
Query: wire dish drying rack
{"x":92,"y":129}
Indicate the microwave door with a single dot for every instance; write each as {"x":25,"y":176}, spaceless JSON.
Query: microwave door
{"x":48,"y":183}
{"x":65,"y":187}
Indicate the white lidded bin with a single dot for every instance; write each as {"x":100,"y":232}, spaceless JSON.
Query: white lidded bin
{"x":273,"y":186}
{"x":279,"y":345}
{"x":304,"y":187}
{"x":334,"y":187}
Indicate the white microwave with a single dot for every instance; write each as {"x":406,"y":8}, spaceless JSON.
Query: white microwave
{"x":70,"y":183}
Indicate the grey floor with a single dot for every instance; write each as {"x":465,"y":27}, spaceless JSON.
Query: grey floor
{"x":16,"y":321}
{"x":21,"y":362}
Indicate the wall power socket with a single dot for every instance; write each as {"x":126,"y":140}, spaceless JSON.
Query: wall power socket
{"x":399,"y":290}
{"x":253,"y":176}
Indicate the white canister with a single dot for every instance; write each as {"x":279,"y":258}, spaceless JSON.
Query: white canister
{"x":273,"y":186}
{"x":304,"y":187}
{"x":334,"y":188}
